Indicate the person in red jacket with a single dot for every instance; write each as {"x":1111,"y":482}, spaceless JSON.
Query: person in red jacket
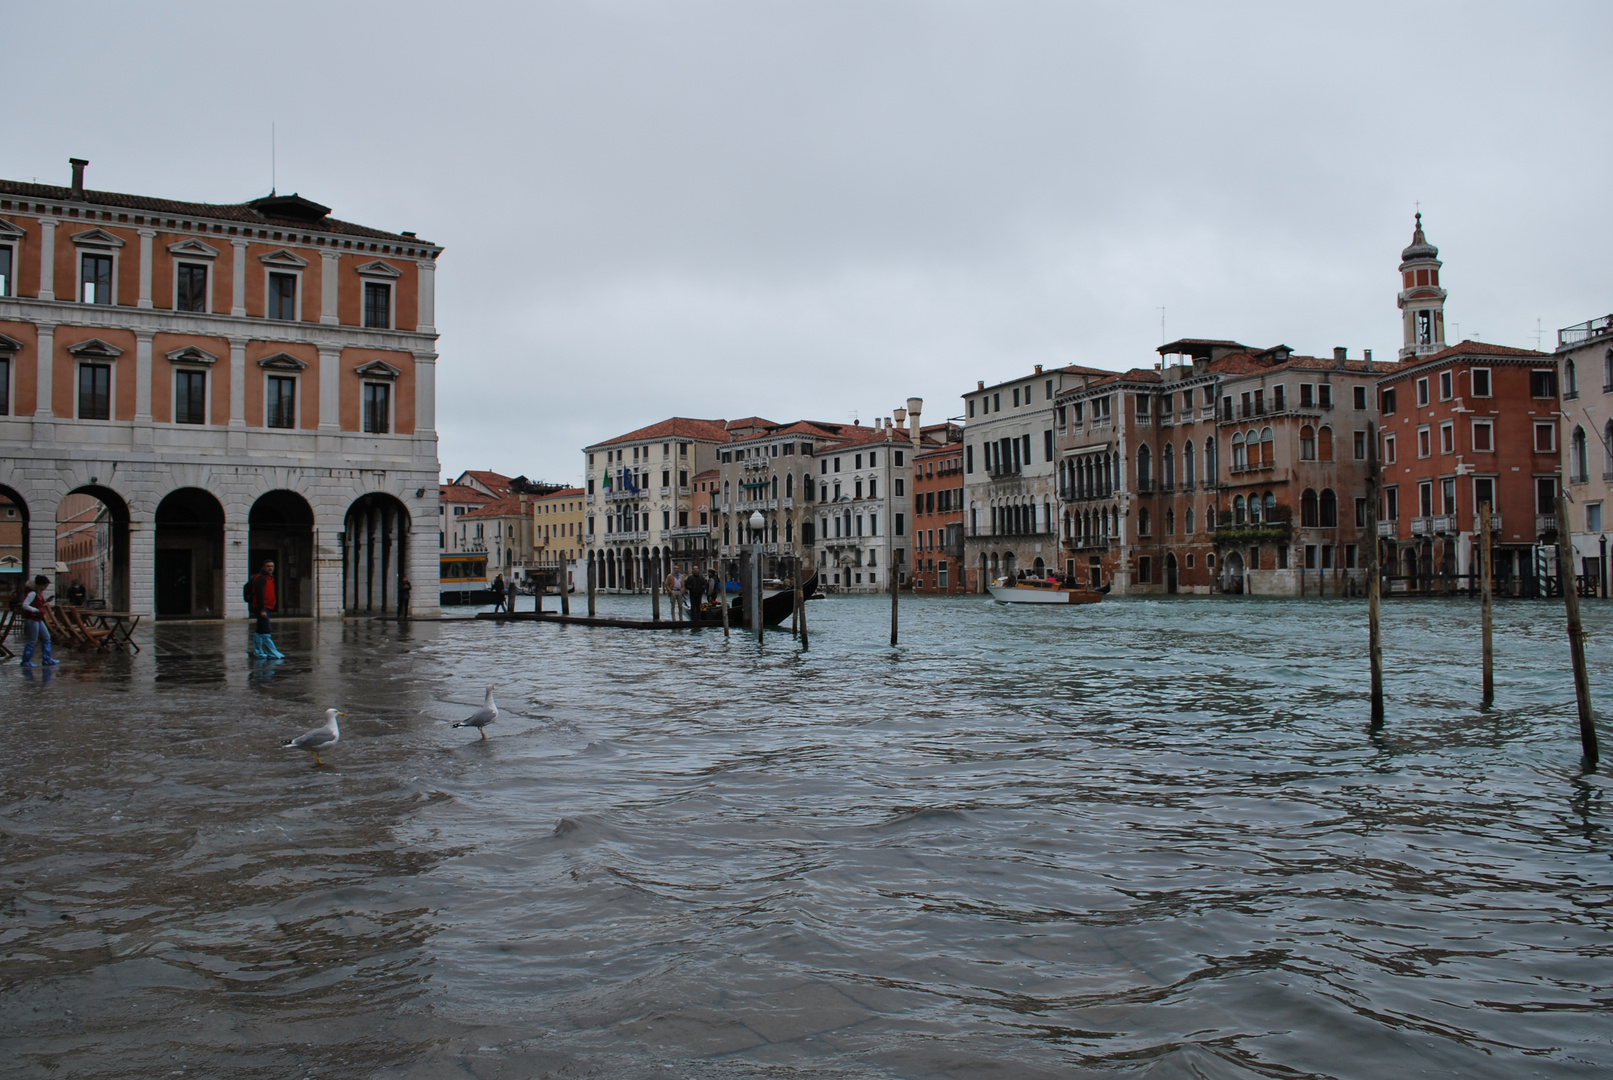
{"x":263,"y":602}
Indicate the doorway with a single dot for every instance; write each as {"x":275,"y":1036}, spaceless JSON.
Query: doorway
{"x":189,"y":564}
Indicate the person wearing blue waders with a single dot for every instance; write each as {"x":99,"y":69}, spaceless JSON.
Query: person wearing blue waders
{"x":260,"y":602}
{"x":33,"y":603}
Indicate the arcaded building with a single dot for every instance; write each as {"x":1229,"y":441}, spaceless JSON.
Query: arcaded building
{"x":232,"y":383}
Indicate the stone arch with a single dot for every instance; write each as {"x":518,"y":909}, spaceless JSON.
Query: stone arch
{"x":15,"y":564}
{"x":375,"y":550}
{"x":280,"y":527}
{"x":106,"y":532}
{"x":188,"y":562}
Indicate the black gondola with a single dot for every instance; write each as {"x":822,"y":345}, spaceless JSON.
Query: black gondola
{"x":776,"y":606}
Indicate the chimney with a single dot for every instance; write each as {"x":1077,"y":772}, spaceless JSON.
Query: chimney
{"x":1038,"y":369}
{"x":900,"y":415}
{"x":980,"y":385}
{"x":1366,"y":358}
{"x":1339,"y":352}
{"x":915,"y":405}
{"x":78,"y":164}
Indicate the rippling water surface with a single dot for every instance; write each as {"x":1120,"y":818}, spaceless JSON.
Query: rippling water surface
{"x":1142,"y":838}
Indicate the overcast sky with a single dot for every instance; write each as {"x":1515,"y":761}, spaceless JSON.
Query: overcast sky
{"x":817,"y":209}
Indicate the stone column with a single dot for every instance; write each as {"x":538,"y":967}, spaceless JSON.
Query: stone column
{"x":142,"y":387}
{"x":47,"y":259}
{"x":237,"y":433}
{"x":425,"y":393}
{"x":330,"y":374}
{"x":237,"y":564}
{"x":328,"y":262}
{"x":238,"y":282}
{"x":142,"y":565}
{"x":426,"y":316}
{"x":44,"y":420}
{"x":424,"y":568}
{"x":146,"y":236}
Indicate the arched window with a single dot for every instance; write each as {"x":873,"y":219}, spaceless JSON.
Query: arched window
{"x":1254,"y":509}
{"x":1209,"y":518}
{"x":789,"y":485}
{"x":1187,"y":464}
{"x":1187,"y":522}
{"x":1167,"y":468}
{"x":1307,"y":443}
{"x":1237,"y":452}
{"x":1328,"y":511}
{"x":1324,"y":444}
{"x":1209,"y":460}
{"x":1145,"y":467}
{"x":1143,"y":528}
{"x":1237,"y":510}
{"x":1170,"y":522}
{"x":1267,"y":454}
{"x":1307,"y":509}
{"x":1570,"y":379}
{"x":1607,"y":370}
{"x":1271,"y":506}
{"x":1607,"y":449}
{"x":1578,"y":459}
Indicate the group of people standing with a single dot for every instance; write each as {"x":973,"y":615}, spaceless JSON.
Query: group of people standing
{"x":692,"y":588}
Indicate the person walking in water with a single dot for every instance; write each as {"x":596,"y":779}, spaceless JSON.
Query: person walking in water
{"x":404,"y":589}
{"x":32,"y":607}
{"x":674,"y":591}
{"x":261,"y":602}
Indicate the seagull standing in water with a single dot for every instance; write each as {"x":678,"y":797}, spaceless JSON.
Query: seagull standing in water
{"x":321,"y":738}
{"x":481,"y":717}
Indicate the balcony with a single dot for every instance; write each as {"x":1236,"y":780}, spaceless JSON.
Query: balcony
{"x":623,"y":496}
{"x":1145,"y":486}
{"x":1580,"y":333}
{"x":1445,"y":524}
{"x":1495,"y":523}
{"x":1386,"y":528}
{"x":1545,"y":524}
{"x":1003,"y":472}
{"x":590,"y":499}
{"x":1422,"y":526}
{"x":666,"y":492}
{"x":689,"y":530}
{"x":628,"y":537}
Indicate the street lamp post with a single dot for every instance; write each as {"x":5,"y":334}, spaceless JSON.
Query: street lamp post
{"x":753,"y":584}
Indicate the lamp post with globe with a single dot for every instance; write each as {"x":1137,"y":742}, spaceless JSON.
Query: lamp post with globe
{"x":753,"y":580}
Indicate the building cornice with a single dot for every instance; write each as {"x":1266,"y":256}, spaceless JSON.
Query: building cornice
{"x":163,"y":321}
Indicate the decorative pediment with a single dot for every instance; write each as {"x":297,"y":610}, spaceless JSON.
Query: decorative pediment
{"x":8,"y":231}
{"x":190,"y":354}
{"x":378,"y":268}
{"x":9,"y":344}
{"x":283,"y":258}
{"x":282,"y":362}
{"x":194,"y":249}
{"x":97,"y":238}
{"x":378,"y":369}
{"x":95,"y":349}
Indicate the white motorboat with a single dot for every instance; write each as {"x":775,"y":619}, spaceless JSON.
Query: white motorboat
{"x":1009,"y":590}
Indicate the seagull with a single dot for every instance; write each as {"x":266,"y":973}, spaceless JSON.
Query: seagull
{"x":321,"y":738}
{"x":481,"y":717}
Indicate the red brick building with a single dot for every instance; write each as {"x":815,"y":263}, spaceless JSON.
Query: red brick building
{"x":938,"y":512}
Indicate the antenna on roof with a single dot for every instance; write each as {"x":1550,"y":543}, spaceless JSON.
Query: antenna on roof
{"x":1538,"y":333}
{"x":1162,"y":324}
{"x":272,"y":161}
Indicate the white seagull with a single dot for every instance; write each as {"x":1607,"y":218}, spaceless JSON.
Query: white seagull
{"x":321,"y":738}
{"x":481,"y":717}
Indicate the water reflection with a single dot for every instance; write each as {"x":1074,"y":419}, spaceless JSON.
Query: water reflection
{"x":1143,"y":837}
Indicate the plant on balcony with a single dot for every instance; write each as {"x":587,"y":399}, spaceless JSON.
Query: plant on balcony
{"x":1274,"y":532}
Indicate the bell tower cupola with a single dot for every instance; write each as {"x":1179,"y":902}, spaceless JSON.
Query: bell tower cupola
{"x":1422,"y":301}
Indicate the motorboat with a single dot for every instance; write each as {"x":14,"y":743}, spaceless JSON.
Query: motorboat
{"x":1033,"y":590}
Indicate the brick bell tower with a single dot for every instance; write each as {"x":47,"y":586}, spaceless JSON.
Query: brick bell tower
{"x":1422,"y":301}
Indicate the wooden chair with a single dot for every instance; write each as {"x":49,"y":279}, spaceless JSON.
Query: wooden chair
{"x":60,"y":629}
{"x":8,"y":619}
{"x":93,"y":635}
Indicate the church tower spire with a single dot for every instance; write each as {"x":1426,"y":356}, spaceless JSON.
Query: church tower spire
{"x":1422,"y":301}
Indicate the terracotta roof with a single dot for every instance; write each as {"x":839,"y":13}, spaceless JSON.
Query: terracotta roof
{"x":750,"y":422}
{"x":1260,"y":363}
{"x":708,"y":474}
{"x":492,"y":480}
{"x":563,"y":493}
{"x":508,"y":506}
{"x":678,"y":427}
{"x":460,"y":493}
{"x":257,"y":213}
{"x":1067,"y":369}
{"x":1478,"y":348}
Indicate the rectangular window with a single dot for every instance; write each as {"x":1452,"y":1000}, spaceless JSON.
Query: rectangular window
{"x":1324,"y":395}
{"x":1360,"y":513}
{"x":1307,"y":395}
{"x":1545,"y":494}
{"x":190,"y":397}
{"x":900,"y":487}
{"x":192,"y":288}
{"x":1327,"y":556}
{"x":1016,"y":396}
{"x":897,"y":460}
{"x":378,"y":305}
{"x":1593,"y":517}
{"x":95,"y":391}
{"x":377,"y":408}
{"x":1388,"y":449}
{"x":997,"y":402}
{"x":968,"y":459}
{"x":1422,"y":392}
{"x":1050,"y":389}
{"x":1425,"y":499}
{"x":1310,"y":556}
{"x":282,"y":296}
{"x":1445,"y":386}
{"x":1391,"y":504}
{"x":1389,"y":402}
{"x":95,"y":277}
{"x":1279,"y":398}
{"x":1360,"y":444}
{"x":1545,"y":439}
{"x":7,"y":285}
{"x":901,"y":520}
{"x":1543,"y":383}
{"x":971,"y":408}
{"x":1481,"y":382}
{"x":1360,"y":397}
{"x":1447,"y":495}
{"x":1483,"y":436}
{"x":1247,"y":406}
{"x":1145,"y":569}
{"x":5,"y":386}
{"x":1447,"y":437}
{"x":1425,"y":442}
{"x":1047,"y":444}
{"x":1226,"y":407}
{"x":1350,"y":556}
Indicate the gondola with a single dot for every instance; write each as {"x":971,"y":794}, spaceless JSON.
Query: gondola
{"x":777,"y":604}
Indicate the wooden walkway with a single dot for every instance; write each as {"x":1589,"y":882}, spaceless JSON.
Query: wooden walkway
{"x":598,"y":620}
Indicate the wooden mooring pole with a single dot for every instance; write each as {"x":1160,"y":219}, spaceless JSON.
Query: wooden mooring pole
{"x":655,"y":589}
{"x":592,"y":585}
{"x":1487,"y":603}
{"x":1576,"y":633}
{"x":722,"y":593}
{"x":1374,"y":580}
{"x":795,"y":605}
{"x":565,"y":600}
{"x":896,"y":577}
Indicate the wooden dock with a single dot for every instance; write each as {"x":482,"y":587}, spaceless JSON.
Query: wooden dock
{"x":594,"y":620}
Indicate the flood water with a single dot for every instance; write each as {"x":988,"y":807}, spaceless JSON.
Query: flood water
{"x":1136,"y":839}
